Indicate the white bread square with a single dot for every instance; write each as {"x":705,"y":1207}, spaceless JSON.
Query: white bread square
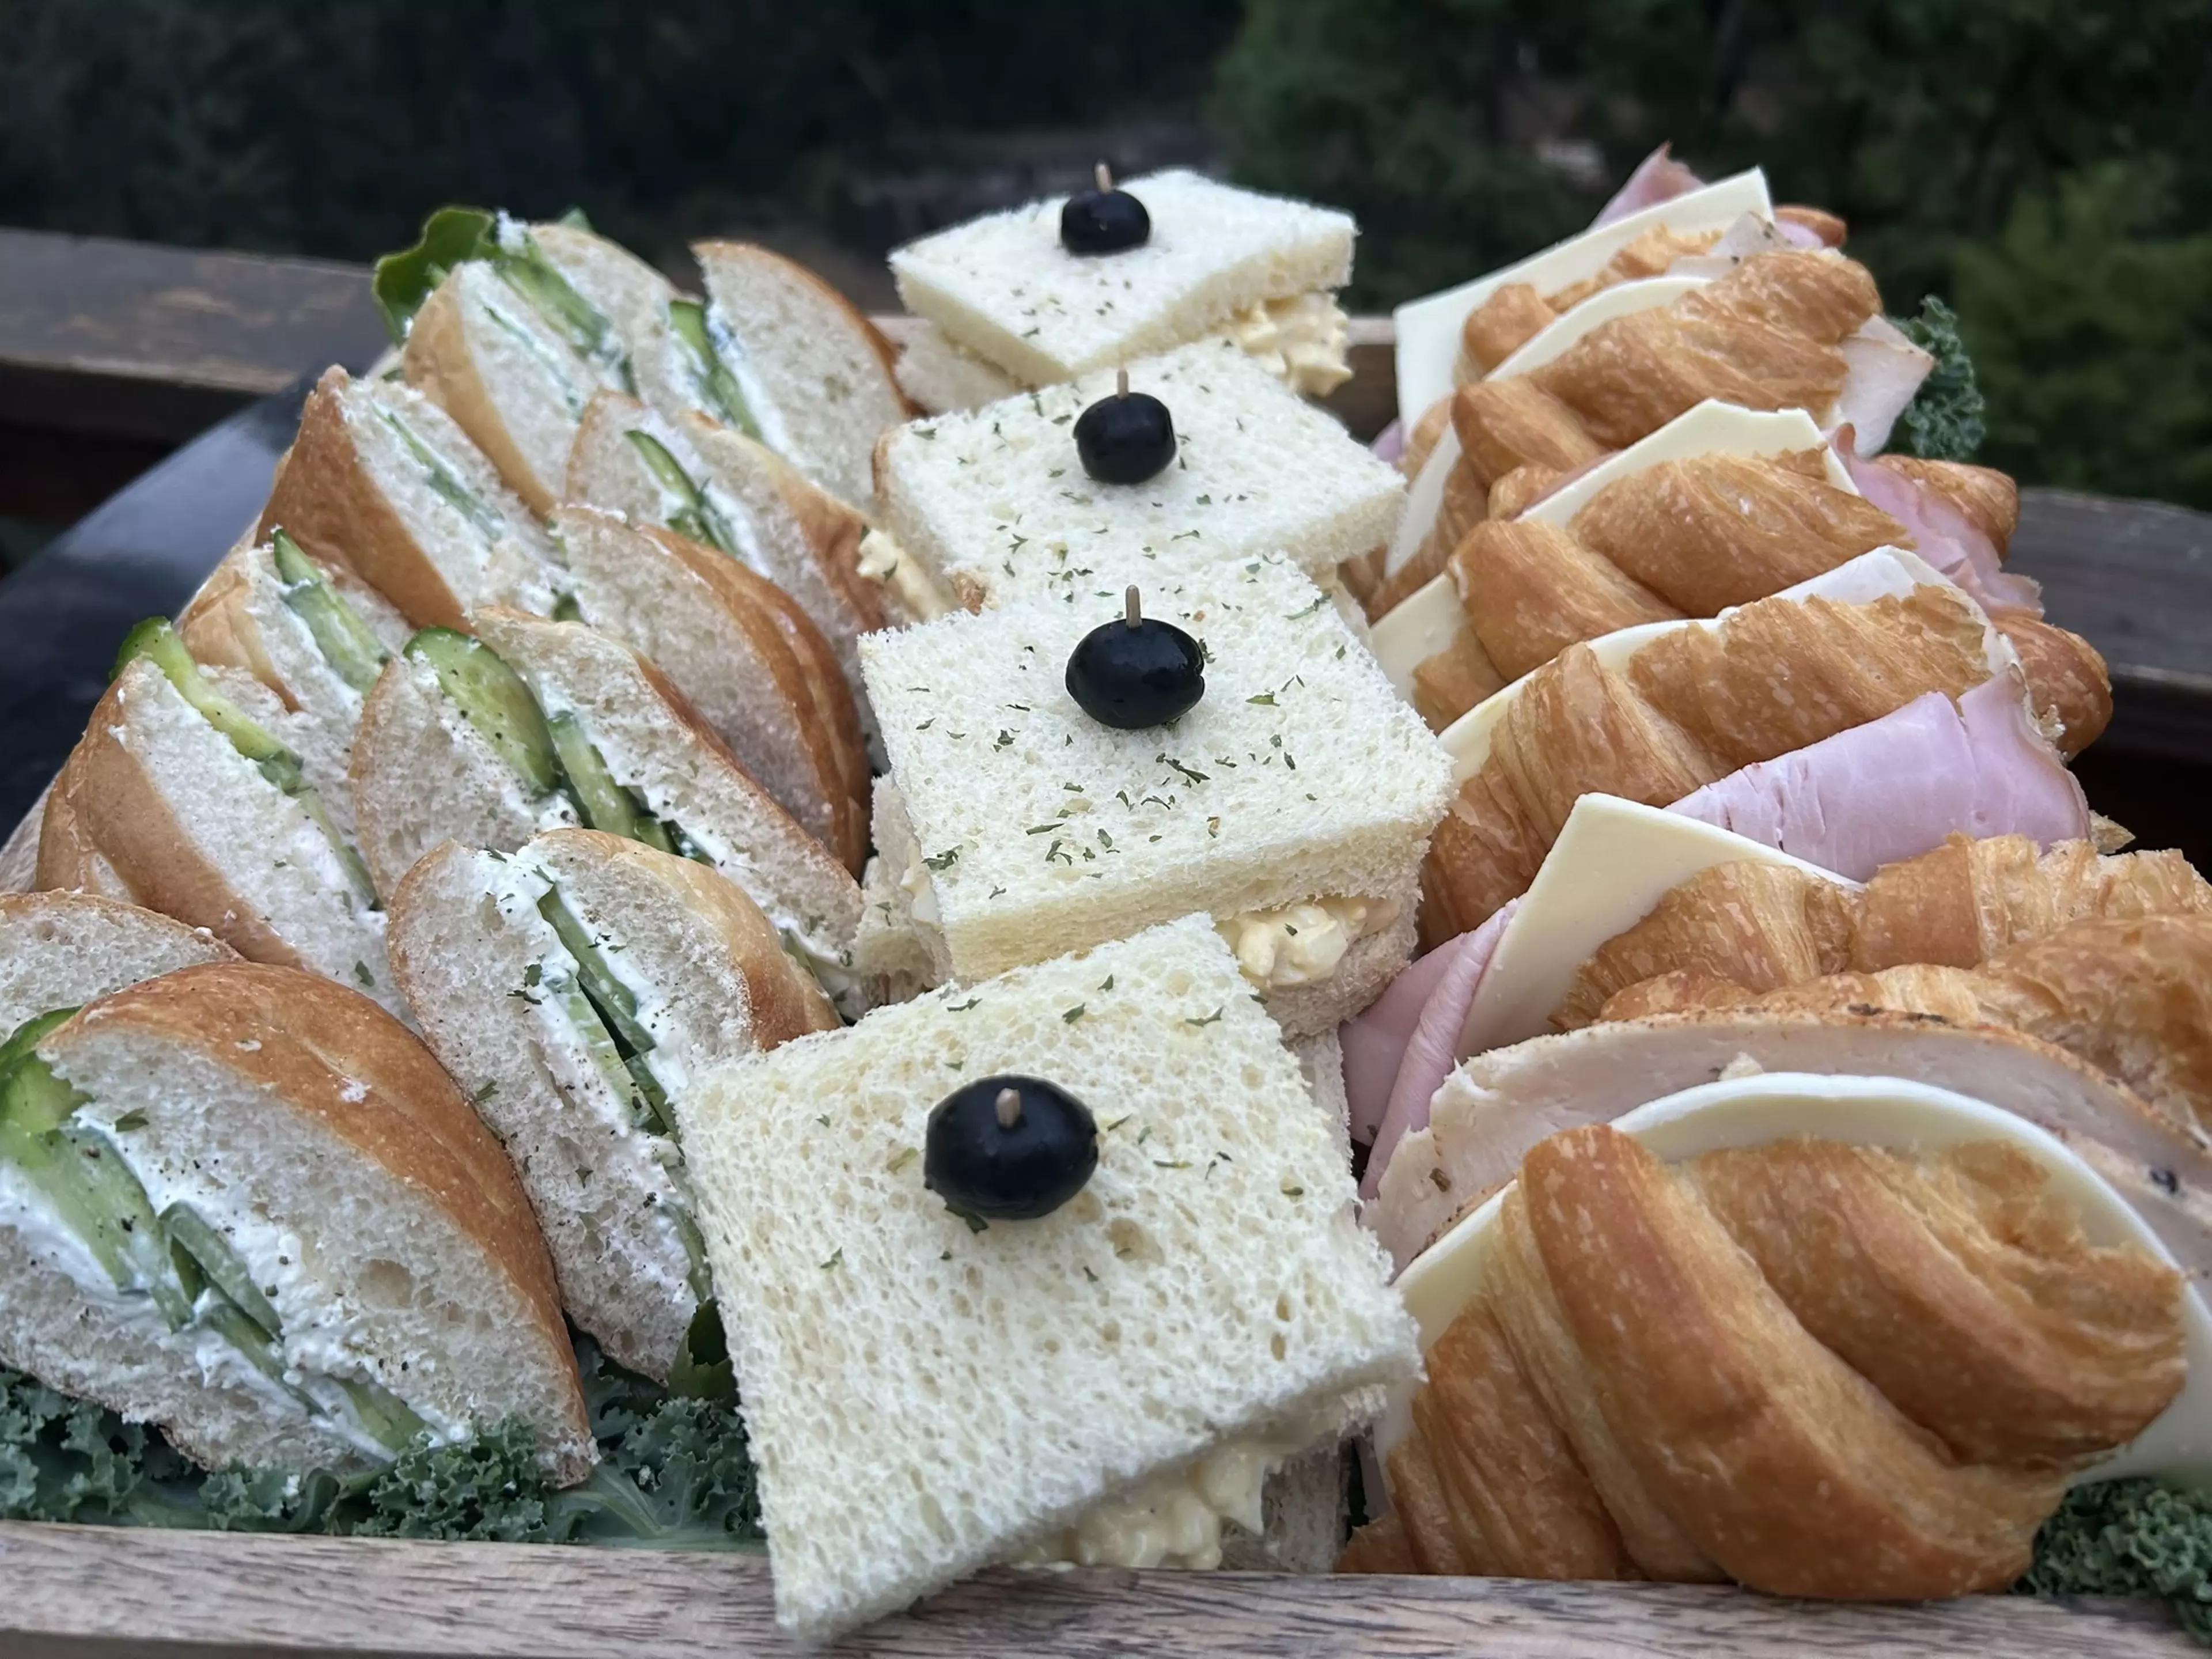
{"x":924,"y":1399}
{"x":1004,"y":287}
{"x":1036,"y":829}
{"x":996,"y":503}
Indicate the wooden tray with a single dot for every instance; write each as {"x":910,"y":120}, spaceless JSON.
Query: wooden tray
{"x":76,"y":1592}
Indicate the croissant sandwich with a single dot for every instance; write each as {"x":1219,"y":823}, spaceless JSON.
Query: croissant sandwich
{"x":1680,"y":713}
{"x":1721,"y":506}
{"x":1862,"y":1360}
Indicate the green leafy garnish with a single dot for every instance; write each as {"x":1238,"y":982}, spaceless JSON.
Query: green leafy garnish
{"x":1943,"y":421}
{"x":450,"y":236}
{"x":2130,"y":1538}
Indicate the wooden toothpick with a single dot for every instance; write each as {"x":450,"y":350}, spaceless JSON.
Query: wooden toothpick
{"x":1130,"y":613}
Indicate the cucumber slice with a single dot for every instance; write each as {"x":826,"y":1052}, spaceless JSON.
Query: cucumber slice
{"x":492,"y":699}
{"x":565,"y":609}
{"x":221,"y":1266}
{"x":711,"y":378}
{"x":156,"y":640}
{"x":605,"y":803}
{"x":599,"y":1045}
{"x":616,"y":1001}
{"x":27,"y":1036}
{"x":354,"y":653}
{"x":523,"y":267}
{"x":380,"y":1414}
{"x":449,"y":488}
{"x":694,"y":515}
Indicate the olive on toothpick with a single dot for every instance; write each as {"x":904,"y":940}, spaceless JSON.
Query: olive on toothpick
{"x":1137,"y":671}
{"x":1126,"y":438}
{"x":1105,"y":219}
{"x":1009,"y":1148}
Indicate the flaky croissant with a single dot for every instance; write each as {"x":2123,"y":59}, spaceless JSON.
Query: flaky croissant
{"x":2133,"y":998}
{"x":1693,"y":705}
{"x":1813,"y":1368}
{"x":1762,"y":926}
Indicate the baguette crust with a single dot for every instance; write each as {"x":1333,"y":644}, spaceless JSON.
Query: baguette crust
{"x":325,"y":498}
{"x":802,"y":277}
{"x":787,"y":1003}
{"x":105,"y":808}
{"x":438,"y":362}
{"x":218,"y":629}
{"x":806,"y":670}
{"x":332,"y":1055}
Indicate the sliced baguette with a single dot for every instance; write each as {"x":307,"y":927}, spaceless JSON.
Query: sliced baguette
{"x":189,"y":827}
{"x":816,"y":374}
{"x":747,"y":658}
{"x":711,"y":982}
{"x":354,"y":492}
{"x":63,"y":949}
{"x":516,"y":387}
{"x":352,"y":1181}
{"x":411,"y":794}
{"x":780,"y":526}
{"x":240,"y":619}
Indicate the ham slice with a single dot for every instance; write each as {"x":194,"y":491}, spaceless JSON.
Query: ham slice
{"x":1896,"y":787}
{"x":1389,"y":443}
{"x":1797,"y":235}
{"x":1658,"y":178}
{"x":1427,"y":1053}
{"x":1941,"y":534}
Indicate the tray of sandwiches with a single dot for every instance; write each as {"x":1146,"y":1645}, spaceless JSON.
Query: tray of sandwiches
{"x":733,"y":988}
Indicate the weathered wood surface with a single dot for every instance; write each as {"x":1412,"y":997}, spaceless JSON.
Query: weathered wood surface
{"x":129,"y":339}
{"x":73,"y":1592}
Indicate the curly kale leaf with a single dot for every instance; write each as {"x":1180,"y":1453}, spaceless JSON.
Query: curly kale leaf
{"x":487,"y":1490}
{"x":63,"y":1459}
{"x":674,"y":1469}
{"x":2130,"y":1538}
{"x":1943,"y":423}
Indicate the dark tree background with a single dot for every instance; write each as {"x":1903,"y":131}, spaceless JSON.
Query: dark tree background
{"x":2047,"y":165}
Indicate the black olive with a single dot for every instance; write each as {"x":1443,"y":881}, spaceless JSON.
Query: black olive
{"x":1009,"y":1148}
{"x":1136,"y":672}
{"x":1127,"y":438}
{"x":1105,"y":219}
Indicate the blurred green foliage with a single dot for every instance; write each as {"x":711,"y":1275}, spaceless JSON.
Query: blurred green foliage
{"x":2044,"y":165}
{"x":2047,"y":165}
{"x":332,"y":126}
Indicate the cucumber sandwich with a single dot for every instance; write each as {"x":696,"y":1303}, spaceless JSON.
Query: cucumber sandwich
{"x":576,"y":989}
{"x":742,"y":652}
{"x":722,"y":489}
{"x":382,"y":481}
{"x":244,"y":1205}
{"x":192,"y":794}
{"x":534,"y":725}
{"x":1055,"y":1266}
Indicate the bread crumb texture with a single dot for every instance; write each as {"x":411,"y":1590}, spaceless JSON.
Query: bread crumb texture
{"x":925,"y":1398}
{"x":1002,"y":285}
{"x":996,"y":499}
{"x":1300,"y":773}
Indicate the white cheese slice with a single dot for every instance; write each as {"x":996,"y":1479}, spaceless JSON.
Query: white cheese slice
{"x":1426,"y":498}
{"x":1621,"y":300}
{"x":1712,"y":427}
{"x":1423,"y":502}
{"x":1614,"y":860}
{"x":1882,"y":570}
{"x":1872,"y":1111}
{"x":1418,"y":626}
{"x":1428,"y":329}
